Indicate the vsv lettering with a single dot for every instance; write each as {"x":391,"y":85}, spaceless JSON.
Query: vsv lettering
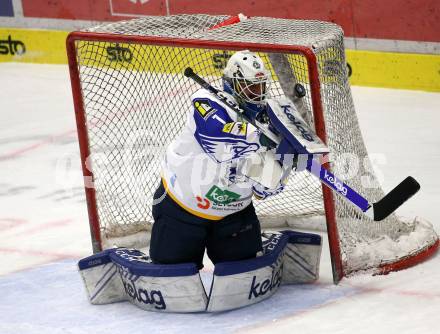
{"x":336,"y":183}
{"x":304,"y":133}
{"x":12,"y":47}
{"x":119,"y":53}
{"x":261,"y":288}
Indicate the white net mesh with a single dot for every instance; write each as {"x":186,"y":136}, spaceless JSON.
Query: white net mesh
{"x":136,"y":100}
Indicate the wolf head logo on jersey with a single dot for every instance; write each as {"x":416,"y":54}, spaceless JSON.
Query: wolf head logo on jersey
{"x":242,"y":148}
{"x":226,"y":148}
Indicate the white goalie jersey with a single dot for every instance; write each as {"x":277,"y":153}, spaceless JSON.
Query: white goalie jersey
{"x":202,"y":166}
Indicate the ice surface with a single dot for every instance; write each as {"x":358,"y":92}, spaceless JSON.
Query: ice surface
{"x":44,"y":226}
{"x":53,"y":299}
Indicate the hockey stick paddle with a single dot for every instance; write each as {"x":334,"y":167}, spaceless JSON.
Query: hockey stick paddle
{"x":377,"y":211}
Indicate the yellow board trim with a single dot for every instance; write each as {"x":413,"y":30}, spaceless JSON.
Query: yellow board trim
{"x":395,"y":70}
{"x":369,"y":68}
{"x":41,"y":46}
{"x":183,"y":206}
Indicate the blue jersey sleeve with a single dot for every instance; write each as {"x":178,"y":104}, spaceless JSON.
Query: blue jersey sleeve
{"x":219,"y":135}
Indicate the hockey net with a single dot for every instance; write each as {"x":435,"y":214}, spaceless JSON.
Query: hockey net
{"x":131,"y":100}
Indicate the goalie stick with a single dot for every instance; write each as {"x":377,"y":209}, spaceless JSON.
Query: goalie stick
{"x":378,"y":210}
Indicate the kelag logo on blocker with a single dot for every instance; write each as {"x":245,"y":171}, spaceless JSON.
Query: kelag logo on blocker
{"x":218,"y":196}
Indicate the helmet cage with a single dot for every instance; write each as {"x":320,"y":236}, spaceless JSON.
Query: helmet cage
{"x":251,"y":89}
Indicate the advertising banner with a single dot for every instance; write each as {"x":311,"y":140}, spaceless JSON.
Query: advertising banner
{"x":32,"y":46}
{"x":108,"y":10}
{"x":409,"y":20}
{"x":138,"y":7}
{"x":6,"y":8}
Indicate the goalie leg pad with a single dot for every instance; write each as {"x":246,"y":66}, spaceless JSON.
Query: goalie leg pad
{"x":288,"y":257}
{"x":302,"y":257}
{"x":123,"y":274}
{"x":241,"y":283}
{"x":101,"y":280}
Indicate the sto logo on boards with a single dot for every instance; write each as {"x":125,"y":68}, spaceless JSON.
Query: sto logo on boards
{"x":220,"y":60}
{"x":119,"y":53}
{"x":11,"y":47}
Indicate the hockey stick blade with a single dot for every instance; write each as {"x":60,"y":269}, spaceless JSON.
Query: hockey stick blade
{"x":395,"y":198}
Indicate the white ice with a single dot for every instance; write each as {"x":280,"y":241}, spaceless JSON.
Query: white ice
{"x":44,"y":226}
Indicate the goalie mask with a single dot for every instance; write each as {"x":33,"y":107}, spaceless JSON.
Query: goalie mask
{"x":247,"y":79}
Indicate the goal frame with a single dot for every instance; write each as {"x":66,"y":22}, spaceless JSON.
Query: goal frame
{"x":315,"y":94}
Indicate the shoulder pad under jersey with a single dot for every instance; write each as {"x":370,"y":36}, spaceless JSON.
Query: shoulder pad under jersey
{"x":207,"y":104}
